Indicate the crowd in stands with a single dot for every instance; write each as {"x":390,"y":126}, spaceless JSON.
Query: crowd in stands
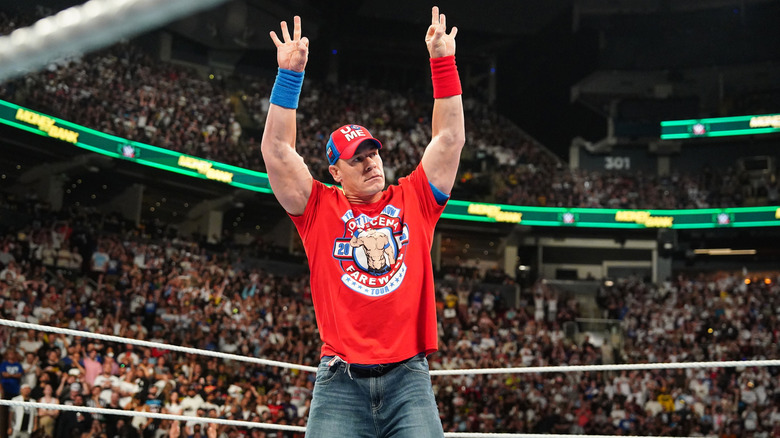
{"x":67,"y":269}
{"x":172,"y":290}
{"x":124,"y":91}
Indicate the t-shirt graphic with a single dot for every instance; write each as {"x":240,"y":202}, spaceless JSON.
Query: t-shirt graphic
{"x":371,"y":253}
{"x":371,"y":270}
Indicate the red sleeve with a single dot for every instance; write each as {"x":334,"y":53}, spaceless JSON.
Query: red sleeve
{"x":429,"y":208}
{"x":304,"y":222}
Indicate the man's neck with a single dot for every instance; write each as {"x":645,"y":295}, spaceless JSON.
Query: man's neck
{"x":363,"y":200}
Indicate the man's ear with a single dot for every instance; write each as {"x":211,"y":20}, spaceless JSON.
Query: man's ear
{"x":335,"y":172}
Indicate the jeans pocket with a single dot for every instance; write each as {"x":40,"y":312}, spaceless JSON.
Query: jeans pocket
{"x":326,"y":373}
{"x":417,"y":364}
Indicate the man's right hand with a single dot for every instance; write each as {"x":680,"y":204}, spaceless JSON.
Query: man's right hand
{"x":292,"y":53}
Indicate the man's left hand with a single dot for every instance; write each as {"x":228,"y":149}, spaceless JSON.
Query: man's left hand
{"x":439,"y":42}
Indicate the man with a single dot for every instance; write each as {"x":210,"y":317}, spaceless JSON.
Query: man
{"x":369,"y":251}
{"x":73,"y":422}
{"x":24,"y":420}
{"x":12,"y":372}
{"x":30,"y":369}
{"x":51,"y":366}
{"x":112,"y":421}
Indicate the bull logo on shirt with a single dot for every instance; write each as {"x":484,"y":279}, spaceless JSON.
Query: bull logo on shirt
{"x":372,"y":251}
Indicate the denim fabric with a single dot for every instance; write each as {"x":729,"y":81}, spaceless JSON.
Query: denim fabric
{"x":399,"y":404}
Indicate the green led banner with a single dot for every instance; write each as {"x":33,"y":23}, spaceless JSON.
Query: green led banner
{"x":116,"y":147}
{"x":615,"y":218}
{"x":720,"y":127}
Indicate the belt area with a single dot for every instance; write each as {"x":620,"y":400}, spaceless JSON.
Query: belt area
{"x":376,"y":370}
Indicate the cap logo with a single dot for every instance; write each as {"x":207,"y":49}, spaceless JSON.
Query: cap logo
{"x":346,"y":140}
{"x":352,"y":132}
{"x":331,"y":155}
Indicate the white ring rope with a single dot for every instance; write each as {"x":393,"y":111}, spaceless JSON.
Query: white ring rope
{"x":456,"y":372}
{"x":132,"y":413}
{"x":250,"y":424}
{"x":528,"y":435}
{"x":612,"y":367}
{"x":86,"y":27}
{"x":119,"y":339}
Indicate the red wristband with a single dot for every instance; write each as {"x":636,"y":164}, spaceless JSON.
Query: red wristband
{"x":444,"y":74}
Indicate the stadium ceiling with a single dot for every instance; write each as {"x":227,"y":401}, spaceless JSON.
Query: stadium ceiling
{"x":623,"y":7}
{"x":393,"y":26}
{"x":381,"y":25}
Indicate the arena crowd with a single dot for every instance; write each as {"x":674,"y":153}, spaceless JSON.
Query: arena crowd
{"x":64,"y":270}
{"x":124,"y":91}
{"x":70,"y":269}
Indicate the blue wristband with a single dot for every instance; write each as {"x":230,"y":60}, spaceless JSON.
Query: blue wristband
{"x":287,"y":88}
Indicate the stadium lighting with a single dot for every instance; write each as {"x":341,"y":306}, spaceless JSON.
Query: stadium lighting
{"x":148,"y":155}
{"x":720,"y":126}
{"x":724,"y":251}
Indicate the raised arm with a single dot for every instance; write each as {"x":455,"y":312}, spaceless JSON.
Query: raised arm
{"x":287,"y":173}
{"x":448,"y":135}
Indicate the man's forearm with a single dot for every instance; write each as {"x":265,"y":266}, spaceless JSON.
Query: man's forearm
{"x":448,"y":121}
{"x":447,"y":117}
{"x":279,"y":132}
{"x":442,"y":156}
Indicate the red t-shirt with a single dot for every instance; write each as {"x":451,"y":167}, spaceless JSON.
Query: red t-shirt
{"x":371,"y":274}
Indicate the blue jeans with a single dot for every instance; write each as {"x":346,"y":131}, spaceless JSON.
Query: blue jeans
{"x":350,"y":403}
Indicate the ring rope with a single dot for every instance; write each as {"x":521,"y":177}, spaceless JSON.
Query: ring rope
{"x":132,"y":413}
{"x":611,"y":367}
{"x":251,"y":424}
{"x":467,"y":371}
{"x":86,"y":27}
{"x":248,"y":424}
{"x":119,"y":339}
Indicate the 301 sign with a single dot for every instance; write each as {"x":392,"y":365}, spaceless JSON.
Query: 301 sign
{"x":617,"y":163}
